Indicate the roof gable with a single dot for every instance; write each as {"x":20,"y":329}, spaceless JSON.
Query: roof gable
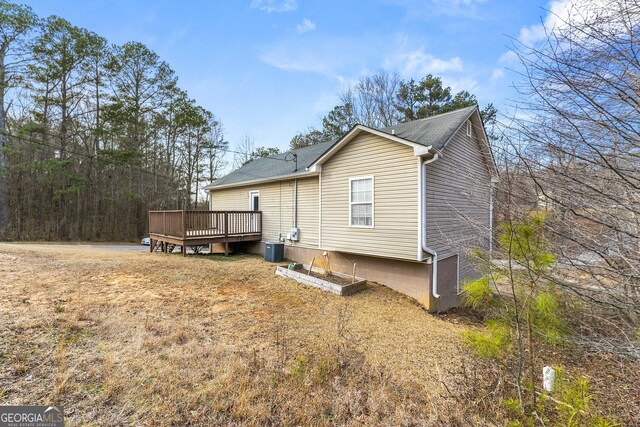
{"x":418,"y":149}
{"x":425,"y":136}
{"x":434,"y":131}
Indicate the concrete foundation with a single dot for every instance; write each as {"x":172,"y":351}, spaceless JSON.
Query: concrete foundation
{"x":410,"y":278}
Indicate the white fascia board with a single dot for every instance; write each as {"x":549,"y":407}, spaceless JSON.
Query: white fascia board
{"x":477,"y":123}
{"x":454,"y":133}
{"x":495,"y":176}
{"x":418,"y":149}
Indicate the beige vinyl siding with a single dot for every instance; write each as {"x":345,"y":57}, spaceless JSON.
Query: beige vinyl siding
{"x":277,"y":206}
{"x":394,"y":169}
{"x":308,"y":194}
{"x":458,"y":186}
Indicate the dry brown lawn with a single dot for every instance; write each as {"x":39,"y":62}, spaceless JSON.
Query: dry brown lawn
{"x":123,"y":337}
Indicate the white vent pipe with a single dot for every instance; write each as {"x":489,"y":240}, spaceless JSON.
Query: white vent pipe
{"x":548,"y":378}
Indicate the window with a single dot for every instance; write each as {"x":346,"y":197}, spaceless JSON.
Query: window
{"x":254,"y":200}
{"x":469,"y":128}
{"x":361,"y":202}
{"x":254,"y":205}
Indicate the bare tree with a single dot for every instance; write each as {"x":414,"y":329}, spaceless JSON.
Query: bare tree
{"x":216,"y":148}
{"x":243,"y":151}
{"x":576,"y":138}
{"x":372,"y":99}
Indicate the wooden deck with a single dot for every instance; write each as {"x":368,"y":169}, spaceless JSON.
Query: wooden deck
{"x":195,"y":228}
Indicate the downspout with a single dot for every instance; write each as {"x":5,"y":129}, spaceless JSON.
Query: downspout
{"x":427,"y":249}
{"x":295,"y":204}
{"x":320,"y":210}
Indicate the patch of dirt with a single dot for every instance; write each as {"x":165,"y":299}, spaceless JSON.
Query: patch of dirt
{"x":338,"y":280}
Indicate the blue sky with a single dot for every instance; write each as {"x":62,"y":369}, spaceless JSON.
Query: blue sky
{"x":270,"y":68}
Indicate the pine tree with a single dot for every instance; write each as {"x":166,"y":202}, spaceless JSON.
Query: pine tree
{"x":521,"y":305}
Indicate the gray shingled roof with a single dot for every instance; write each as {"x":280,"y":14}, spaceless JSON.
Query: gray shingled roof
{"x":432,"y":131}
{"x":275,"y":165}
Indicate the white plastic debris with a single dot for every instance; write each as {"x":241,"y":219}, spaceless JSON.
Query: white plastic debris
{"x":548,"y":378}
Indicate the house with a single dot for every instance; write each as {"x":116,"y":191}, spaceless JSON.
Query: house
{"x":405,"y":203}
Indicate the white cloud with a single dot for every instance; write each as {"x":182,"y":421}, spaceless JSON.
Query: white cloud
{"x":467,"y":83}
{"x":347,"y":59}
{"x":417,"y":62}
{"x":305,"y":26}
{"x":509,"y":58}
{"x":295,"y":61}
{"x":560,"y":12}
{"x":497,"y":74}
{"x":532,"y":34}
{"x":335,"y":57}
{"x":301,"y":60}
{"x":275,"y":5}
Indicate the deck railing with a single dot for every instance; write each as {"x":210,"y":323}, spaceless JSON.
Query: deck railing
{"x":186,"y":224}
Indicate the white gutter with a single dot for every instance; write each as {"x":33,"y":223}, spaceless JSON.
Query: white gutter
{"x":427,"y":249}
{"x":262,"y":180}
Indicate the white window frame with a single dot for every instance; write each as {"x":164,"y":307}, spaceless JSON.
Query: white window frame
{"x":251,"y":194}
{"x":373,"y":201}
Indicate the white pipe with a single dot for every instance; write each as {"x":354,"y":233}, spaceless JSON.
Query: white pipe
{"x":295,"y":205}
{"x":320,"y":210}
{"x":427,"y":249}
{"x":548,"y":378}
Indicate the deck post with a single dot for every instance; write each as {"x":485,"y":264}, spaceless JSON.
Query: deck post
{"x":151,"y":245}
{"x":184,"y":232}
{"x":184,"y":224}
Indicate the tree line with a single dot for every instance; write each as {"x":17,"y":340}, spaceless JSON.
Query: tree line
{"x":377,"y":101}
{"x":93,"y":135}
{"x":384,"y":99}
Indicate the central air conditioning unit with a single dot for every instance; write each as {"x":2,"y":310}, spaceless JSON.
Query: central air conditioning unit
{"x":273,"y":252}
